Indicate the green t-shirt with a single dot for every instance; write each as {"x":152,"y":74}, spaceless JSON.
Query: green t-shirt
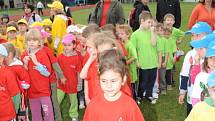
{"x":169,"y":48}
{"x":161,"y":41}
{"x":176,"y":34}
{"x":146,"y":52}
{"x":132,"y":53}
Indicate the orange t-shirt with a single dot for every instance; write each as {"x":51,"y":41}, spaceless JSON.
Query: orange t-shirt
{"x":201,"y":14}
{"x":123,"y":109}
{"x":71,"y":67}
{"x":8,"y":89}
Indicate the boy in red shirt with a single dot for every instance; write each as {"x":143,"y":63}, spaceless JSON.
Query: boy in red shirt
{"x":8,"y":89}
{"x":70,"y":62}
{"x":115,"y":105}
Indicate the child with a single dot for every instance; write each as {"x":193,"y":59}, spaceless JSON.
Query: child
{"x":47,"y":26}
{"x":204,"y":111}
{"x":38,"y":65}
{"x":23,"y":26}
{"x":207,"y":67}
{"x":198,"y":31}
{"x":23,"y":79}
{"x":8,"y":89}
{"x":176,"y":36}
{"x":58,"y":26}
{"x":71,"y":65}
{"x":3,"y":26}
{"x":147,"y":63}
{"x":115,"y":104}
{"x":96,"y":43}
{"x":124,"y":32}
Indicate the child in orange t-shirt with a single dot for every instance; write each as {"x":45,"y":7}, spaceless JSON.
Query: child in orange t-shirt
{"x":96,"y":43}
{"x":37,"y":62}
{"x":9,"y":89}
{"x":112,"y":104}
{"x":71,"y":65}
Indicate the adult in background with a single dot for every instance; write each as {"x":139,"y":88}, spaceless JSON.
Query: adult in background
{"x":40,"y":7}
{"x":30,"y":15}
{"x":169,"y":6}
{"x":139,"y":5}
{"x":205,"y":12}
{"x":108,"y":12}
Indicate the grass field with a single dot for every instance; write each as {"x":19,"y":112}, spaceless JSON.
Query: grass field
{"x":167,"y":108}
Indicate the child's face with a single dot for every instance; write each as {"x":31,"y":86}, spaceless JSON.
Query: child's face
{"x":11,"y":34}
{"x":122,"y":35}
{"x":146,"y":24}
{"x":27,"y":10}
{"x":201,"y":52}
{"x":90,"y":48}
{"x":5,"y":20}
{"x":159,"y":31}
{"x":111,"y":83}
{"x":211,"y":91}
{"x":82,"y":39}
{"x":3,"y":29}
{"x":211,"y":63}
{"x":104,"y":47}
{"x":33,"y":44}
{"x":69,"y":47}
{"x":169,"y":22}
{"x":197,"y":36}
{"x":22,"y":27}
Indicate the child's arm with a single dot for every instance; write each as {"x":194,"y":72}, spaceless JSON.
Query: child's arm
{"x":87,"y":99}
{"x":153,"y":37}
{"x":86,"y":67}
{"x":131,"y":60}
{"x":39,"y":67}
{"x":166,"y":60}
{"x":58,"y":70}
{"x":159,"y":59}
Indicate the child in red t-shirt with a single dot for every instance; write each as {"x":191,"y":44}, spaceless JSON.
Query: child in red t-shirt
{"x":9,"y":89}
{"x":71,"y":65}
{"x":23,"y":78}
{"x":37,"y":62}
{"x":97,"y":43}
{"x":112,"y":104}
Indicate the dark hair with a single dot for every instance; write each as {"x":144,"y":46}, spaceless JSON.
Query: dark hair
{"x":205,"y":66}
{"x":12,"y":23}
{"x":30,"y":7}
{"x":112,"y":60}
{"x":212,"y":4}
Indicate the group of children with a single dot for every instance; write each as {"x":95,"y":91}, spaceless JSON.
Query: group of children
{"x":102,"y":68}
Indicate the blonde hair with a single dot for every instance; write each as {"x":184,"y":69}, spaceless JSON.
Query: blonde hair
{"x":34,"y":34}
{"x":145,"y":15}
{"x":90,"y":29}
{"x":169,"y":15}
{"x":127,"y":29}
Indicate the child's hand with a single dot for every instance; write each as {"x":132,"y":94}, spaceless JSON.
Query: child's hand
{"x":87,"y":101}
{"x":63,"y":81}
{"x":164,"y":65}
{"x":181,"y":99}
{"x":34,"y":59}
{"x":159,"y":66}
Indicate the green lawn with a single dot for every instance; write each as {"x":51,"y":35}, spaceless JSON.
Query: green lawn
{"x":167,"y":108}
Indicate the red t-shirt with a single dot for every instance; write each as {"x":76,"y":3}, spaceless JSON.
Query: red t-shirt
{"x":8,"y":89}
{"x":123,"y":109}
{"x":71,"y":67}
{"x":122,"y":46}
{"x":94,"y":85}
{"x":53,"y":60}
{"x":40,"y":85}
{"x":3,"y":41}
{"x":105,"y":13}
{"x":86,"y":57}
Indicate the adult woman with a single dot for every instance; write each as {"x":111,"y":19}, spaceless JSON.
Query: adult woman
{"x":205,"y":12}
{"x":108,"y":12}
{"x":30,"y":14}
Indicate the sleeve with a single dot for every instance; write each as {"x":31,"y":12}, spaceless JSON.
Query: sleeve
{"x":42,"y":69}
{"x":177,"y":14}
{"x":158,"y":15}
{"x":93,"y":17}
{"x":137,"y":114}
{"x":193,"y":17}
{"x":50,"y":55}
{"x":23,"y":76}
{"x":58,"y":70}
{"x":133,"y":51}
{"x":12,"y":84}
{"x":79,"y":65}
{"x":120,"y":14}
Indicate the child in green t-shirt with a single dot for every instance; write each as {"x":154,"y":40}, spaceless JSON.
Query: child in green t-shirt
{"x":176,"y":37}
{"x":144,"y":40}
{"x":124,"y":32}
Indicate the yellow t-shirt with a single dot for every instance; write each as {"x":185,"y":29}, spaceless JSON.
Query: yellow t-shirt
{"x":58,"y":31}
{"x":201,"y":112}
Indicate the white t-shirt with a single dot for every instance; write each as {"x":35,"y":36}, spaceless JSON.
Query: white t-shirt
{"x":40,"y":5}
{"x":200,"y":83}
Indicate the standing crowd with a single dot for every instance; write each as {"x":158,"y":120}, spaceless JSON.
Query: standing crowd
{"x":107,"y":66}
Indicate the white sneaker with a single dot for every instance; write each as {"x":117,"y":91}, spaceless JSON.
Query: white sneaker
{"x":75,"y":119}
{"x":179,"y":53}
{"x":154,"y":101}
{"x":81,"y":105}
{"x":155,"y":95}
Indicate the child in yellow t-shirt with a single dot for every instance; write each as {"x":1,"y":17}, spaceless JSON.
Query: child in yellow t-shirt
{"x":23,"y":26}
